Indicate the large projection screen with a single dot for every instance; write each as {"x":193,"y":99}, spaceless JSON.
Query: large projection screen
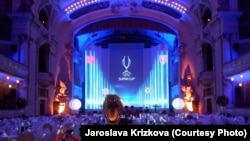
{"x":137,"y":74}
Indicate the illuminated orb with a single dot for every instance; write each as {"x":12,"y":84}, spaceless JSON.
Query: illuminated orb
{"x":178,"y":103}
{"x":147,"y":90}
{"x":75,"y":104}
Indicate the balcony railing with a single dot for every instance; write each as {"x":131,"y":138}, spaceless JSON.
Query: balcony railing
{"x":238,"y":65}
{"x":206,"y":77}
{"x":12,"y":67}
{"x":44,"y":78}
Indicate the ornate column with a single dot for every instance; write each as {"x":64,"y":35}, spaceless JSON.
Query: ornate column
{"x":77,"y":73}
{"x":24,"y":38}
{"x":229,"y":36}
{"x":226,"y":47}
{"x":175,"y":74}
{"x":69,"y":59}
{"x":19,"y":36}
{"x":229,"y":31}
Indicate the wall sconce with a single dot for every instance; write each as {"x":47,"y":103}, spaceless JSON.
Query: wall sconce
{"x":189,"y":77}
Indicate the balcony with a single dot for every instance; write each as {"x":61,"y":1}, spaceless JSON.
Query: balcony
{"x":12,"y":67}
{"x":45,"y":79}
{"x":206,"y":78}
{"x":236,"y":66}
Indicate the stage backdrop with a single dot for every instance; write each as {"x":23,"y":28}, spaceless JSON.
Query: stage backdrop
{"x":137,"y":74}
{"x":126,"y":69}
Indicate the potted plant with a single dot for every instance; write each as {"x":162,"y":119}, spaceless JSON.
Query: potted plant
{"x":21,"y":103}
{"x":222,"y":101}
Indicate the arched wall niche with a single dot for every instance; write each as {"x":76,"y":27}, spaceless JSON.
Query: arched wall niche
{"x":38,"y":6}
{"x":205,"y":14}
{"x":207,"y":56}
{"x":212,"y":5}
{"x":43,"y":58}
{"x":44,"y":17}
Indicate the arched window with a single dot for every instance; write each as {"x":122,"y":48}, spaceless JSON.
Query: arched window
{"x":207,"y":54}
{"x":43,"y":64}
{"x":43,"y":18}
{"x":206,"y":15}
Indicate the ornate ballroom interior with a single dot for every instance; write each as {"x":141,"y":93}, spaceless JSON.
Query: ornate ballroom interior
{"x":60,"y":59}
{"x":53,"y":51}
{"x":44,"y":46}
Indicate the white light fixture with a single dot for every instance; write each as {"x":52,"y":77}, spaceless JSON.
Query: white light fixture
{"x":83,"y":3}
{"x":178,"y":103}
{"x":75,"y":104}
{"x":240,"y":84}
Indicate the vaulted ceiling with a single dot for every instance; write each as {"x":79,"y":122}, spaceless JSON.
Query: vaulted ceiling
{"x":120,"y":30}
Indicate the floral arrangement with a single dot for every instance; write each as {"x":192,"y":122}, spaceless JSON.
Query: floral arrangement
{"x":222,"y":100}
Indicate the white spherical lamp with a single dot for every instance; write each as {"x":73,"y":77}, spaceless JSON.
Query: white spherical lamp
{"x":75,"y":104}
{"x":178,"y":103}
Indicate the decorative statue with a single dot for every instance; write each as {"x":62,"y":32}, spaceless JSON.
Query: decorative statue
{"x":62,"y":96}
{"x":62,"y":88}
{"x":188,"y":98}
{"x":61,"y":99}
{"x":112,"y":109}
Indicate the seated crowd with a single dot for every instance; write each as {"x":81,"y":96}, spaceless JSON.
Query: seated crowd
{"x":47,"y":128}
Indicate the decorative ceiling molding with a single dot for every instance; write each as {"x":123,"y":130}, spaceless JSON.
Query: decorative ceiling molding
{"x":81,"y":7}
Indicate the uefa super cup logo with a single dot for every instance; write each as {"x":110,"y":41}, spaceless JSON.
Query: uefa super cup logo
{"x":126,"y":62}
{"x":126,"y":73}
